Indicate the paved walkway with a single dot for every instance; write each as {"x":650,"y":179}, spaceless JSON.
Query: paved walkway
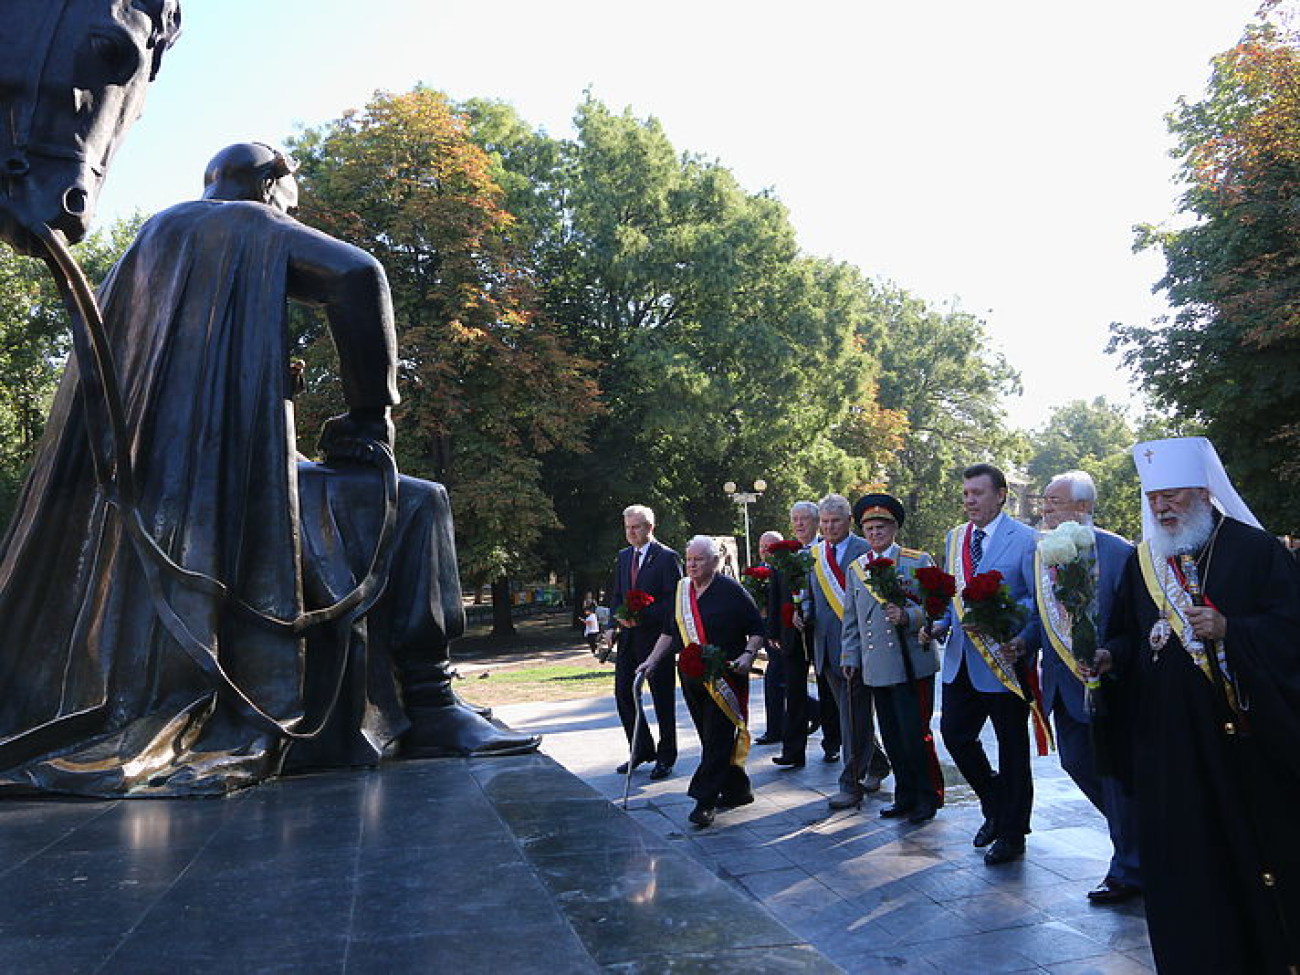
{"x":875,"y":895}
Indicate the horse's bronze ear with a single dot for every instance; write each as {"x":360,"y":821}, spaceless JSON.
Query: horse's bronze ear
{"x":165,"y":18}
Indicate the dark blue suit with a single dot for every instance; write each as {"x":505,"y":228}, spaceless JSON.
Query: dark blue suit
{"x":972,"y":694}
{"x":658,"y":576}
{"x":1063,"y":698}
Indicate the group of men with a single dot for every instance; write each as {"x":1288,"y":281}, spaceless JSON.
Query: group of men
{"x":1181,"y":731}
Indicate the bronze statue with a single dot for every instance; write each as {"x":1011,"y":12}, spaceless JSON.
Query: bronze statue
{"x":182,"y":668}
{"x":171,"y":626}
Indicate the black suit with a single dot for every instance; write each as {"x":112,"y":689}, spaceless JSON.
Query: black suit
{"x":657,"y":576}
{"x":796,"y":654}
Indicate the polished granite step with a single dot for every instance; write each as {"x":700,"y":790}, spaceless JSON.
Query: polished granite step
{"x":495,"y":865}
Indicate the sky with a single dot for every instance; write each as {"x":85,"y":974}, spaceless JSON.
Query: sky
{"x":989,"y":157}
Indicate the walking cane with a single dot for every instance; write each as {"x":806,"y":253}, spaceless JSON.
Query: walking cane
{"x":637,"y":725}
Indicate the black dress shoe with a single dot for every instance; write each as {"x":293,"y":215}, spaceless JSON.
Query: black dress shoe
{"x":895,"y":811}
{"x":1004,"y":851}
{"x":622,"y":769}
{"x":788,"y":762}
{"x":922,"y":814}
{"x":661,"y":771}
{"x":829,"y":757}
{"x":985,"y":835}
{"x":768,"y":739}
{"x":1112,"y":891}
{"x":701,"y":815}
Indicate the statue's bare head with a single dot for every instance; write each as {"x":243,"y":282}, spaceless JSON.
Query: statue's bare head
{"x":251,"y":171}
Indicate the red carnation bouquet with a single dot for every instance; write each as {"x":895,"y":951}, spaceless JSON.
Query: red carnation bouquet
{"x":790,"y":558}
{"x":756,"y":580}
{"x":990,"y":608}
{"x":705,"y":663}
{"x":937,"y":590}
{"x":632,"y":606}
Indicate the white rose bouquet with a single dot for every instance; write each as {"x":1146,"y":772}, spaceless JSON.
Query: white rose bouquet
{"x":1071,"y":549}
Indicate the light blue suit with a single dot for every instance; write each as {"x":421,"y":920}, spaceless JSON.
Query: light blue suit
{"x":972,"y":695}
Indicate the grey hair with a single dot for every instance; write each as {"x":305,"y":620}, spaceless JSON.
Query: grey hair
{"x":808,"y":506}
{"x":773,"y":535}
{"x":708,"y":543}
{"x":1081,"y":485}
{"x":836,"y":503}
{"x":634,"y":510}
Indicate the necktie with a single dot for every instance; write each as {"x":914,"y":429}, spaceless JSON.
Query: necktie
{"x":834,"y":563}
{"x":636,"y":566}
{"x":976,"y":547}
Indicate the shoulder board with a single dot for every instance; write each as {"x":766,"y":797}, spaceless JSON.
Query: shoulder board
{"x":910,"y":553}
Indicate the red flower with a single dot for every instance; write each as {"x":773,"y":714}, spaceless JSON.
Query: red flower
{"x":691,"y":661}
{"x":637,"y":600}
{"x":759,"y":572}
{"x":935,"y":606}
{"x":936,"y":582}
{"x":787,"y":614}
{"x":880,"y":565}
{"x":788,"y":545}
{"x":982,"y":586}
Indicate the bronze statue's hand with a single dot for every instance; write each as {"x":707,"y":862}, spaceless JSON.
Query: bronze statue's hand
{"x":354,"y":436}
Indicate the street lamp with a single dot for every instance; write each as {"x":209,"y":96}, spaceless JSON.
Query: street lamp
{"x":745,"y":499}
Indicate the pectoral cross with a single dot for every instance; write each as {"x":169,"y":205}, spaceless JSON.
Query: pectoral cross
{"x":1148,"y":454}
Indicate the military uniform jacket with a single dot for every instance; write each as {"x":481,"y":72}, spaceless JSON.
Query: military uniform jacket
{"x":869,"y":642}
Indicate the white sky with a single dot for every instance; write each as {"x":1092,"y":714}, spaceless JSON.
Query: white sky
{"x":994,"y":155}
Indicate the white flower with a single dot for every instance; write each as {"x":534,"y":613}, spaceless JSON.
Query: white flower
{"x":1057,"y":548}
{"x":1082,"y":535}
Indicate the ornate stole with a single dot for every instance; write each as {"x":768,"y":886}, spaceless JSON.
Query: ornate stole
{"x":1166,"y":590}
{"x":962,"y":569}
{"x":832,"y":585}
{"x":1056,"y":621}
{"x":690,"y":624}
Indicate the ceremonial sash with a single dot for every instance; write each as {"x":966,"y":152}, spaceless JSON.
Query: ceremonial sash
{"x":1056,"y":621}
{"x":690,"y":624}
{"x":1166,"y":589}
{"x":831,"y":583}
{"x":959,"y":559}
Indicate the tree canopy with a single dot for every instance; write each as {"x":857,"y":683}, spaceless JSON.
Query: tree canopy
{"x":1226,"y":359}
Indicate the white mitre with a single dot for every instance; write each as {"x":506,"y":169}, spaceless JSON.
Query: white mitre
{"x":1187,"y":462}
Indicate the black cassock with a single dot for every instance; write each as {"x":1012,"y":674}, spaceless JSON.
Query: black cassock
{"x":1218,"y":792}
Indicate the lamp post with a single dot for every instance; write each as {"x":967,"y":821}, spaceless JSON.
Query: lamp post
{"x":745,"y":499}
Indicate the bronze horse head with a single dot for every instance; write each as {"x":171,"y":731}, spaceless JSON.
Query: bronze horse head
{"x":73,"y":75}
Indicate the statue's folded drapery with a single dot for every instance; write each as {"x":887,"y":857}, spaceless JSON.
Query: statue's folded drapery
{"x":96,"y":695}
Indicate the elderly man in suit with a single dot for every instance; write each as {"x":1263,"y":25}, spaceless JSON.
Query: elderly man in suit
{"x":649,"y":567}
{"x":1072,"y":496}
{"x":979,"y":687}
{"x":865,"y":764}
{"x":881,"y":651}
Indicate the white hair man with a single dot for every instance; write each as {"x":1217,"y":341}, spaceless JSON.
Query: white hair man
{"x":647,"y":568}
{"x":1206,"y":633}
{"x":865,"y":764}
{"x":1072,"y":496}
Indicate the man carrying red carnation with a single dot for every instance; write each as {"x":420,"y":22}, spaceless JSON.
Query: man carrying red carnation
{"x":984,"y":677}
{"x":641,"y":590}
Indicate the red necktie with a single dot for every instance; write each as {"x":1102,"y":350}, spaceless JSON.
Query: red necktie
{"x":636,"y":564}
{"x":835,"y":565}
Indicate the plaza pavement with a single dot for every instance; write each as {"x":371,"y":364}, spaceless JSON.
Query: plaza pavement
{"x":875,"y":895}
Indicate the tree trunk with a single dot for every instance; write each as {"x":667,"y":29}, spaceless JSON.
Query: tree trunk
{"x":502,"y":624}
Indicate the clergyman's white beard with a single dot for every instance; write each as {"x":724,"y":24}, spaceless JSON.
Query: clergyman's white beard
{"x":1193,"y":531}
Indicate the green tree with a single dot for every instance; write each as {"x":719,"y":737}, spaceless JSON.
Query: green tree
{"x":940,"y":373}
{"x":1227,"y":359}
{"x":723,"y":353}
{"x":34,"y":344}
{"x":489,"y":386}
